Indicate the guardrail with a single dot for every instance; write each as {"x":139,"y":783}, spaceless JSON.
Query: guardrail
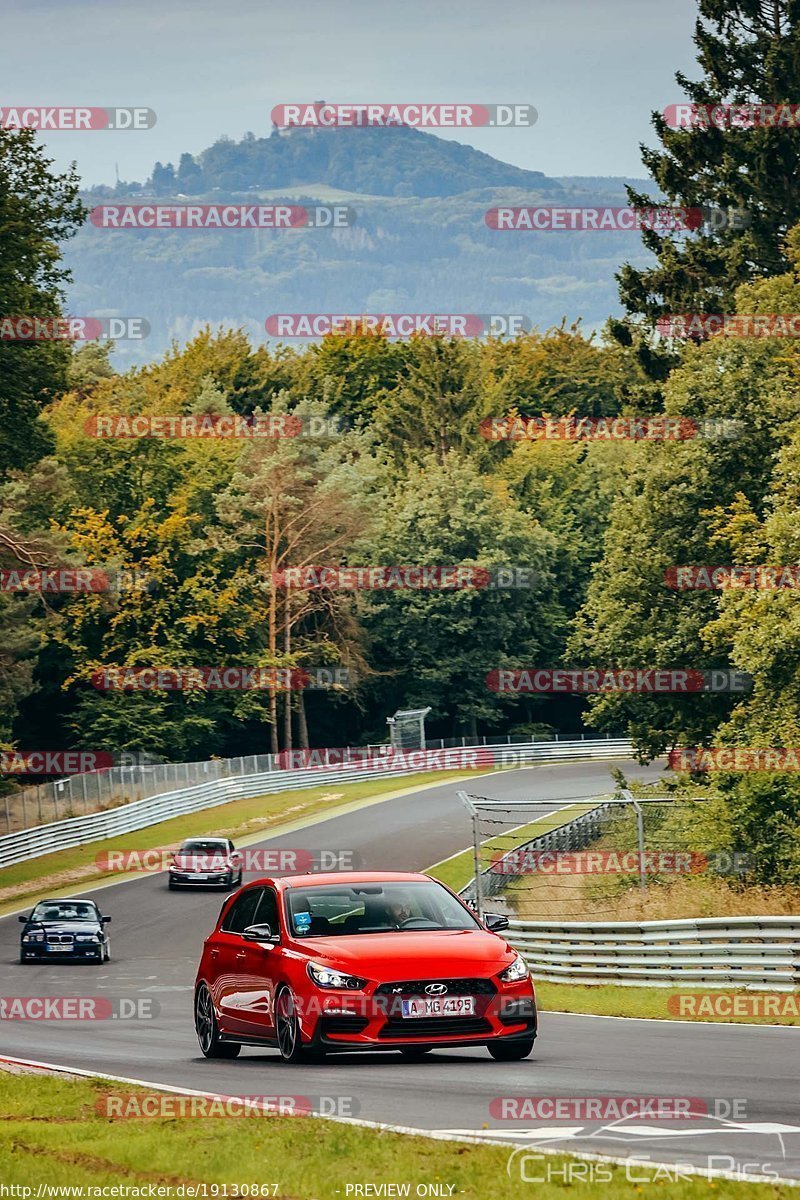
{"x":78,"y":831}
{"x":711,"y":952}
{"x":136,"y":777}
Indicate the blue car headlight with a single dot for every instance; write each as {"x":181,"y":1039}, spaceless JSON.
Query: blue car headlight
{"x":33,"y":937}
{"x":87,"y":937}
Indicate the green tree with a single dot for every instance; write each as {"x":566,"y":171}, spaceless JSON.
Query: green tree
{"x":665,"y":516}
{"x":437,"y":646}
{"x":190,"y":175}
{"x":38,"y":210}
{"x":749,"y":52}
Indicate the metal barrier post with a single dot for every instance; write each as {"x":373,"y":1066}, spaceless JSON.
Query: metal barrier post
{"x":476,"y":846}
{"x":637,"y":808}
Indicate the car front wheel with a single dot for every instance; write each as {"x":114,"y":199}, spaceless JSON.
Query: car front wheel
{"x":205,"y":1023}
{"x":287,"y":1028}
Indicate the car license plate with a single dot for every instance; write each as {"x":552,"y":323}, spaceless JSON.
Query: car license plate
{"x":198,"y":875}
{"x":440,"y":1006}
{"x":59,"y":949}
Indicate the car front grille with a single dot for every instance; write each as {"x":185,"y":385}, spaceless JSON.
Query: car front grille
{"x":455,"y":987}
{"x":420,"y":1028}
{"x":60,"y":939}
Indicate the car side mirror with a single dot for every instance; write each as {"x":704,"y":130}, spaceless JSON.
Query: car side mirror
{"x":105,"y":920}
{"x":24,"y":918}
{"x":261,"y":933}
{"x":495,"y":922}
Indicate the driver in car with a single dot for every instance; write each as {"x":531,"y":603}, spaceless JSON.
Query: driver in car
{"x":398,"y":911}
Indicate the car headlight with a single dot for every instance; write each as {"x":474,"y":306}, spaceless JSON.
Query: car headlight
{"x":33,"y":937}
{"x":87,"y":937}
{"x":517,"y":971}
{"x":325,"y":977}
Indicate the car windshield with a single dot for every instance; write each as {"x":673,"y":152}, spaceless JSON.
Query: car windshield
{"x":52,"y":910}
{"x":333,"y":910}
{"x":200,"y":847}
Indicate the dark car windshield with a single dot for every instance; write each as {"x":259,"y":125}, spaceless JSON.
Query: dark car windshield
{"x":74,"y":910}
{"x":199,"y":847}
{"x":331,"y":910}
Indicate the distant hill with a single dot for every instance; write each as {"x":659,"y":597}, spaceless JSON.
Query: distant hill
{"x":420,"y":243}
{"x":376,"y":162}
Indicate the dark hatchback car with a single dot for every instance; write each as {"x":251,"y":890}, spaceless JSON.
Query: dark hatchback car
{"x":69,"y":929}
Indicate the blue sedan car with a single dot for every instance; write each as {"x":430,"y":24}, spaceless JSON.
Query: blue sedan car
{"x":69,"y":929}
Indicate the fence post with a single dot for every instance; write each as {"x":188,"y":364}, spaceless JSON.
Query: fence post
{"x":476,"y":844}
{"x":637,"y":808}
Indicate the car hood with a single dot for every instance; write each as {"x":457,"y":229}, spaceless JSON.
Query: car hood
{"x":65,"y":926}
{"x":386,"y":957}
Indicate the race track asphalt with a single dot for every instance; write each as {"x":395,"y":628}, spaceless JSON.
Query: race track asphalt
{"x":156,"y":940}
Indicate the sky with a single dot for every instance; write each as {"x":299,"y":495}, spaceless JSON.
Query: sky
{"x":593,"y":69}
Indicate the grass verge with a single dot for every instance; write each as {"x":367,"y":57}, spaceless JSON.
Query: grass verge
{"x":54,"y":1136}
{"x":668,"y":1004}
{"x":242,"y":820}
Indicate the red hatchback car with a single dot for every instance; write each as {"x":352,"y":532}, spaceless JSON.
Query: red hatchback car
{"x":358,"y":961}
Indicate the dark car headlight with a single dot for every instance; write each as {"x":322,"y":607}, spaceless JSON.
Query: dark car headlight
{"x":326,"y":977}
{"x":33,"y":937}
{"x":88,"y":937}
{"x":516,"y":972}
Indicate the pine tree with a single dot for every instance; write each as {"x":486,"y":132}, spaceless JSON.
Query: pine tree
{"x":749,"y":52}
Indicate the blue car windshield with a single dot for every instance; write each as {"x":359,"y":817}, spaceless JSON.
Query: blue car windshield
{"x":75,"y":910}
